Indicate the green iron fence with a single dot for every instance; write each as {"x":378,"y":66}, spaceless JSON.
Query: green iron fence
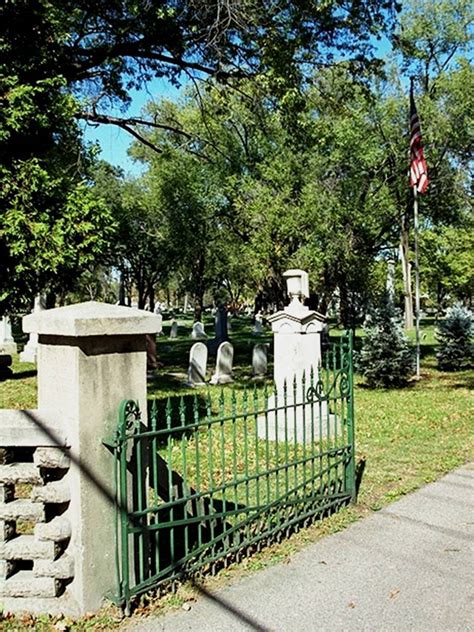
{"x":214,"y":476}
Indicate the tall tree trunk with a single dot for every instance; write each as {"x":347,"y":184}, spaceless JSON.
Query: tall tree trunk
{"x":198,"y":306}
{"x":122,"y":289}
{"x":151,"y":297}
{"x":199,"y":288}
{"x":50,"y":300}
{"x":406,"y":271}
{"x":345,"y":306}
{"x":390,"y":283}
{"x":141,"y":292}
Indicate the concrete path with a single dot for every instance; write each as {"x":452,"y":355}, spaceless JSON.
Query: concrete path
{"x":407,"y":567}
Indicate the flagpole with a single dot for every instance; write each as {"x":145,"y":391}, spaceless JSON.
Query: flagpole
{"x":417,"y":281}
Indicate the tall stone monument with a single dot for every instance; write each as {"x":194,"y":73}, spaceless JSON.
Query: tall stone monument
{"x":297,"y":352}
{"x":7,"y":344}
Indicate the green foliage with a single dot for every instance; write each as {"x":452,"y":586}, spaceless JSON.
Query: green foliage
{"x":51,"y":229}
{"x":431,"y":34}
{"x":386,"y":359}
{"x":447,"y":263}
{"x":51,"y":225}
{"x":273,"y":202}
{"x":114,"y":46}
{"x":454,"y":336}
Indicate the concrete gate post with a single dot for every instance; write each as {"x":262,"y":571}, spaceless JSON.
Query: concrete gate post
{"x":91,"y":356}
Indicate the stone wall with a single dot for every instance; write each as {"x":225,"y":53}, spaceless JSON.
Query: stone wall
{"x":36,"y":563}
{"x":35,"y":530}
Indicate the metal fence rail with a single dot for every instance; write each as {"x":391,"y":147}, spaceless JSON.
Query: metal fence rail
{"x":208,"y":479}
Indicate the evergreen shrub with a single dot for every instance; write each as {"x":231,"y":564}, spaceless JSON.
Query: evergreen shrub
{"x":454,"y":335}
{"x":386,"y":358}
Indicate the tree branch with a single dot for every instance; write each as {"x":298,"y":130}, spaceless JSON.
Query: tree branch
{"x":137,"y":50}
{"x":127,"y":125}
{"x":94,"y":117}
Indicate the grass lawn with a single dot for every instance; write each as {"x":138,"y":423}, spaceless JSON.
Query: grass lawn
{"x":406,"y":437}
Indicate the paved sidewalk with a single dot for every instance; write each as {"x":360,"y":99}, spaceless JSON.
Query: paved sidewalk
{"x":407,"y":567}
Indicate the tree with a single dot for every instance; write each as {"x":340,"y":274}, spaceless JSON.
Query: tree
{"x":447,"y":264}
{"x":454,"y":335}
{"x":141,"y":251}
{"x":188,"y":193}
{"x":51,"y":225}
{"x":110,"y":47}
{"x":51,"y":229}
{"x":386,"y":358}
{"x":72,"y":59}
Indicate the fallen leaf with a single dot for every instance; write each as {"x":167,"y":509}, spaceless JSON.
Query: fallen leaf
{"x":452,"y":550}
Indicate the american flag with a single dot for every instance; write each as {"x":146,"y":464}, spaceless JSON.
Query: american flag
{"x":418,"y":167}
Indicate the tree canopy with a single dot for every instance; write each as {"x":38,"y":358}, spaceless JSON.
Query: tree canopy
{"x":288,"y":146}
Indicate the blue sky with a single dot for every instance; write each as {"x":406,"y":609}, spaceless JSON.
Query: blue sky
{"x":113,"y":141}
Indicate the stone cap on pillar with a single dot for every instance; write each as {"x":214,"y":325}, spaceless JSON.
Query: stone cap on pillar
{"x":92,"y":319}
{"x":296,"y":317}
{"x":304,"y":321}
{"x":297,"y":283}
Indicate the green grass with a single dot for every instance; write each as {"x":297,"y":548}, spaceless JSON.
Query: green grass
{"x":19,"y":391}
{"x":407,"y":437}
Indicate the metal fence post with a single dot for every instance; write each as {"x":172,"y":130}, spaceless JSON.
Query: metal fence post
{"x":350,"y":477}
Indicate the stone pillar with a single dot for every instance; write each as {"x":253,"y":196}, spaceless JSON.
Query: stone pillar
{"x":297,"y":351}
{"x":91,"y":356}
{"x":30,"y":352}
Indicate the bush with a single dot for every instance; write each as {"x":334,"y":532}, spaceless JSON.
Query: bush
{"x":454,"y":335}
{"x":386,"y":358}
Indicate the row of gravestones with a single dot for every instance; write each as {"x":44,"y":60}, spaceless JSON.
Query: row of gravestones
{"x":198,"y":332}
{"x":225,"y":357}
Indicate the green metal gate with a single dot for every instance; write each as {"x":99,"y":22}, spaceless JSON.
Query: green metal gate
{"x":210,"y":478}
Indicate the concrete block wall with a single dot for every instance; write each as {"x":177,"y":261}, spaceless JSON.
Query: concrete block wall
{"x":35,"y":530}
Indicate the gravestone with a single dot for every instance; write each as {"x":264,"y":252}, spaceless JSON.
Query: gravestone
{"x":221,"y":327}
{"x":197,"y":365}
{"x":174,"y":329}
{"x":160,"y":320}
{"x":258,"y":326}
{"x":30,"y":352}
{"x":225,"y":357}
{"x":198,"y":332}
{"x":297,"y":353}
{"x":259,"y":361}
{"x":221,"y":324}
{"x":7,"y":344}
